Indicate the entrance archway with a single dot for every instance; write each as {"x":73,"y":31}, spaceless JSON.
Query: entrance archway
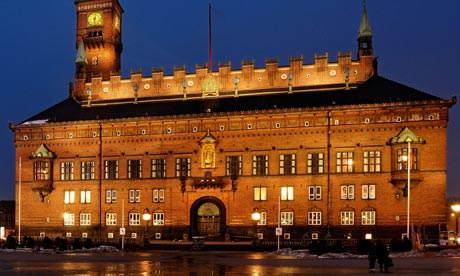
{"x":207,"y":217}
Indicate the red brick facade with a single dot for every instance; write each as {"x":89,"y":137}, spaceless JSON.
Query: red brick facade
{"x":312,"y":152}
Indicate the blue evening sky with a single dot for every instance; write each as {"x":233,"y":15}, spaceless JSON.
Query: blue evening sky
{"x":417,"y":43}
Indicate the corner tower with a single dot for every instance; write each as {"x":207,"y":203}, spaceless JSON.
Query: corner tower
{"x":365,"y":36}
{"x":99,"y":27}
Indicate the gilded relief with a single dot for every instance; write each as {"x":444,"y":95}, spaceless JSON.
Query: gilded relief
{"x":208,"y":151}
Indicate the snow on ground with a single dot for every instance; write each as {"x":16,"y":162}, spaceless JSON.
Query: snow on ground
{"x":100,"y":249}
{"x":304,"y":254}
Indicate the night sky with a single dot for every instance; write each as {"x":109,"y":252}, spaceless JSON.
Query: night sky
{"x":417,"y":43}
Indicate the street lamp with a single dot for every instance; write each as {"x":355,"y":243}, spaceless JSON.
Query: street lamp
{"x":255,"y":216}
{"x":456,"y":209}
{"x":146,"y":217}
{"x":408,"y":141}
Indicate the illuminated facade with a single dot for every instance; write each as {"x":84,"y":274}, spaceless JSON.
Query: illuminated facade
{"x":320,"y":147}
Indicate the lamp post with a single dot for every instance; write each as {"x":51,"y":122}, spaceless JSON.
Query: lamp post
{"x":255,"y":216}
{"x":408,"y":141}
{"x":456,"y":209}
{"x":146,"y":217}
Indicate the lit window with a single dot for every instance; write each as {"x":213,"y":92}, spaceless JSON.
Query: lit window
{"x":233,"y":166}
{"x":287,"y":193}
{"x":260,"y":165}
{"x":314,"y":192}
{"x":135,"y":169}
{"x":111,"y":219}
{"x":347,"y":217}
{"x":368,"y":217}
{"x":260,"y":193}
{"x":315,"y":163}
{"x":158,"y":195}
{"x":42,"y":170}
{"x":85,"y":197}
{"x":67,"y":170}
{"x":159,"y":168}
{"x":263,"y":218}
{"x":314,"y":218}
{"x":344,"y":162}
{"x":372,"y":161}
{"x":287,"y":164}
{"x":183,"y":167}
{"x":158,"y":218}
{"x":402,"y":158}
{"x":368,"y":191}
{"x":87,"y":170}
{"x":69,"y":219}
{"x":69,"y":197}
{"x":85,"y":219}
{"x":347,"y":192}
{"x":134,"y":196}
{"x":134,"y":219}
{"x":111,"y":169}
{"x":287,"y":218}
{"x":111,"y":196}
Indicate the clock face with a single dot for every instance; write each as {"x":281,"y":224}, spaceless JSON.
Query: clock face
{"x":95,"y":19}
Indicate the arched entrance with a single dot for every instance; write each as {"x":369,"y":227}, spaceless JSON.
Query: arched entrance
{"x":207,"y":217}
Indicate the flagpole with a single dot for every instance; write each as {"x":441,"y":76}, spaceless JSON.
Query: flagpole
{"x":210,"y":38}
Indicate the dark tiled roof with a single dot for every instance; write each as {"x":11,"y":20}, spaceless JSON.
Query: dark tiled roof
{"x":374,"y":91}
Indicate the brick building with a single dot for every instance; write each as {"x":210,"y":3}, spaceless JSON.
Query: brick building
{"x":322,"y":149}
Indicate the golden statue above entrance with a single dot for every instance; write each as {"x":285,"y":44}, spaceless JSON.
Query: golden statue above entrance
{"x":208,"y":151}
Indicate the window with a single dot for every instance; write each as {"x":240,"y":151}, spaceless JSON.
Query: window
{"x":111,"y":169}
{"x":69,"y":219}
{"x":368,"y":191}
{"x":344,"y":162}
{"x":85,"y":197}
{"x":69,"y":197}
{"x":368,"y":217}
{"x":287,"y":193}
{"x":260,"y":193}
{"x":159,"y":168}
{"x":183,"y":167}
{"x":287,"y":218}
{"x":134,"y":196}
{"x":347,"y":192}
{"x":233,"y":166}
{"x":403,"y":159}
{"x":87,"y":170}
{"x":158,"y":195}
{"x":111,"y":196}
{"x":158,"y":218}
{"x":314,"y":192}
{"x":347,"y":217}
{"x":110,"y":219}
{"x":372,"y":161}
{"x":263,"y":218}
{"x":135,"y":169}
{"x":42,"y":170}
{"x":314,"y":218}
{"x":315,"y":163}
{"x":287,"y":164}
{"x":134,"y":219}
{"x":67,"y":171}
{"x":260,"y":165}
{"x":85,"y":219}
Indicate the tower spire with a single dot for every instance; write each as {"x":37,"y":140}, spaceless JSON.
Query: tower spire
{"x":365,"y":35}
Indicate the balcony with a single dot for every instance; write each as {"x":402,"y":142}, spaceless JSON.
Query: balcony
{"x":399,"y":179}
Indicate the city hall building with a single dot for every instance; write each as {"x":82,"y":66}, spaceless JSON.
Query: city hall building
{"x":329,"y":149}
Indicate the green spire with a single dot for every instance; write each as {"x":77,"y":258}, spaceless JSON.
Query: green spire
{"x":364,"y":28}
{"x":81,"y":54}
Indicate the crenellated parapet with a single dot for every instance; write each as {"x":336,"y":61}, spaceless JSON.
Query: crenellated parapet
{"x":235,"y":82}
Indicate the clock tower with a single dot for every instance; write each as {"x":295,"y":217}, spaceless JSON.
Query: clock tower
{"x":99,"y":28}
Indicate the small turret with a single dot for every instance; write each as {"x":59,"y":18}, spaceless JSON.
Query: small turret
{"x":365,"y":35}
